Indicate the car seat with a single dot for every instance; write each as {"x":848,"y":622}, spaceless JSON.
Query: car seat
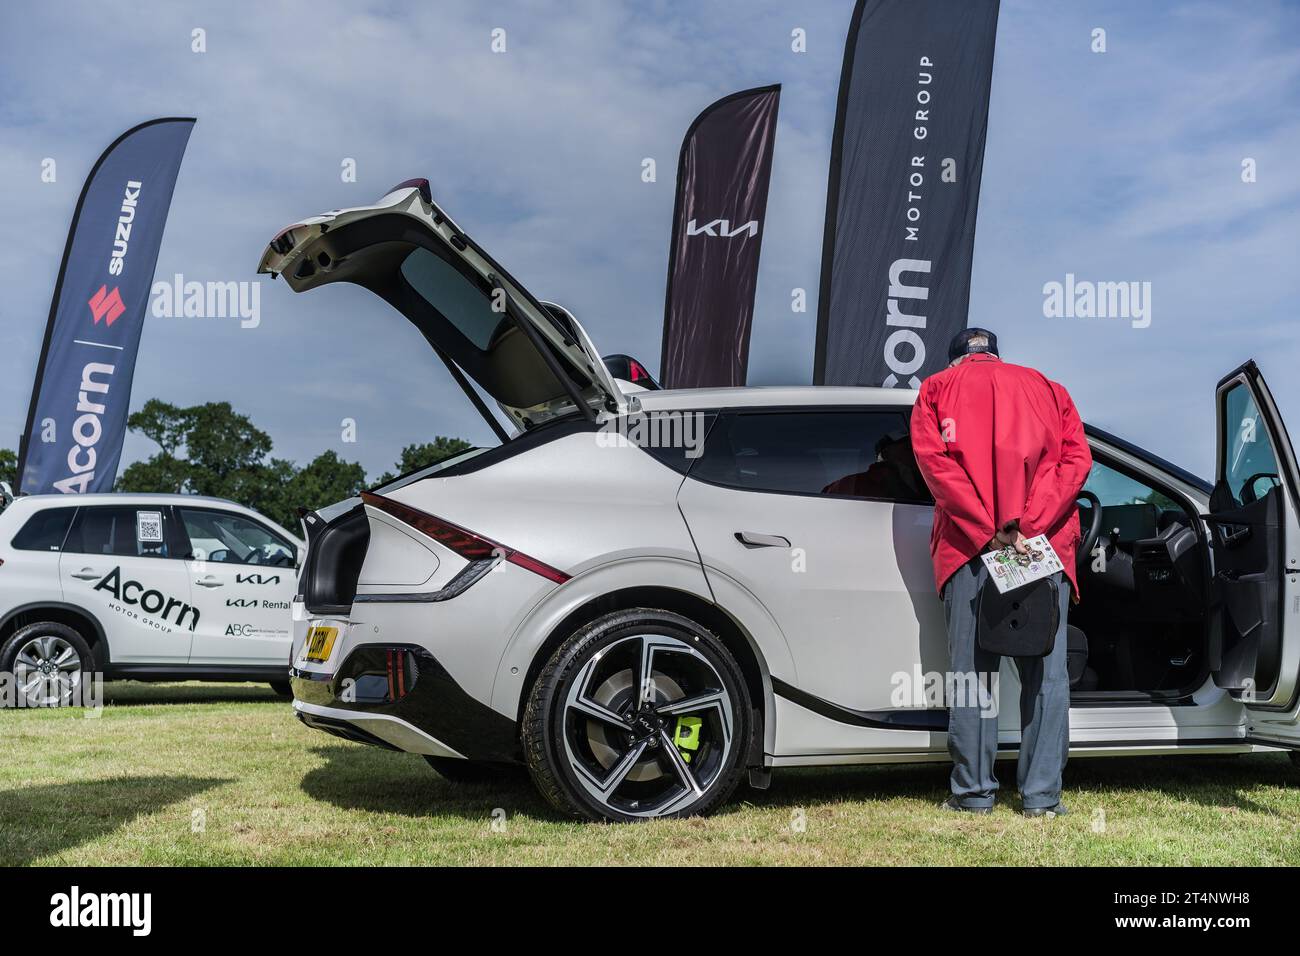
{"x":1082,"y":677}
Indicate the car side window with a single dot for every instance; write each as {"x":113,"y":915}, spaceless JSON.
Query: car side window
{"x":673,"y":438}
{"x":45,"y":530}
{"x":1250,"y":468}
{"x":840,"y":453}
{"x":1131,"y":509}
{"x":1114,"y":489}
{"x":228,"y":538}
{"x":137,"y":531}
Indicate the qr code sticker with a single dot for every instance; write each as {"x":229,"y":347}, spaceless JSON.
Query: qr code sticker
{"x":148,"y":526}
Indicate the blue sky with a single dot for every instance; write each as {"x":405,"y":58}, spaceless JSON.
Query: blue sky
{"x":1122,"y":166}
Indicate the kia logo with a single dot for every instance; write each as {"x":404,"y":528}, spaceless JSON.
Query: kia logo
{"x":723,"y":228}
{"x":106,"y":305}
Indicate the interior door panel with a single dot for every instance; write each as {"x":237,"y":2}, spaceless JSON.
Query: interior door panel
{"x":1254,"y":536}
{"x":1247,"y":543}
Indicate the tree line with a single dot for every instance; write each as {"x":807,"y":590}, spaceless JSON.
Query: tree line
{"x":211,"y":449}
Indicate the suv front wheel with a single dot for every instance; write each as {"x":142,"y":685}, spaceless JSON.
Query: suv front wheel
{"x":641,"y":713}
{"x":49,"y":663}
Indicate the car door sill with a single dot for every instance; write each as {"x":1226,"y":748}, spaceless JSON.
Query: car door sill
{"x":931,"y":719}
{"x":1105,"y":698}
{"x":205,"y":672}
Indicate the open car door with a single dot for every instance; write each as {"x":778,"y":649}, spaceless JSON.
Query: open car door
{"x":1255,"y":541}
{"x":534,"y":360}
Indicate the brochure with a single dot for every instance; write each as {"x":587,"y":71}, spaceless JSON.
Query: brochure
{"x":1011,"y":570}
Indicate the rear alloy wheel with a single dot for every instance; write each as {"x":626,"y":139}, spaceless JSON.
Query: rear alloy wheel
{"x":640,"y":714}
{"x":49,"y":662}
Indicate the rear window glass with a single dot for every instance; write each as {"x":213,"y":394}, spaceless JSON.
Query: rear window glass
{"x":120,"y":530}
{"x":45,"y":530}
{"x":447,"y":289}
{"x":856,"y":454}
{"x":673,"y":438}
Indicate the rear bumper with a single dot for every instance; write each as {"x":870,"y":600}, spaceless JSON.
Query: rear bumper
{"x":433,"y":716}
{"x":380,"y":730}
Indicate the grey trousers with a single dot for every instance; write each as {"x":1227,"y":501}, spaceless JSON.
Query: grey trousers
{"x":1044,"y":704}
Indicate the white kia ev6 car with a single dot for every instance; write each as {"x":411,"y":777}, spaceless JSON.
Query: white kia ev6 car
{"x":642,"y":621}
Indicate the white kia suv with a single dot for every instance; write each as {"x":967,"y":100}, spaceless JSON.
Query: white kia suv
{"x":644,"y":595}
{"x":146,"y":587}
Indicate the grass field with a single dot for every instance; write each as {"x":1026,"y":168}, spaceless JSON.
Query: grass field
{"x":223,"y":774}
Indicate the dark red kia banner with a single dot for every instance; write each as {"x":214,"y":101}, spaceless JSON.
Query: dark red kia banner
{"x":906,"y":159}
{"x":722,"y":180}
{"x":77,"y":417}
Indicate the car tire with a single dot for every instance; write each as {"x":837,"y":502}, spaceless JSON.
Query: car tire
{"x":602,"y":743}
{"x":282,"y":688}
{"x":47,"y":644}
{"x":459,"y":771}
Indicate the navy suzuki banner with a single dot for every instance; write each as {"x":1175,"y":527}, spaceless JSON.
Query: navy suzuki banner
{"x":77,"y":418}
{"x":904,"y":184}
{"x":722,"y":179}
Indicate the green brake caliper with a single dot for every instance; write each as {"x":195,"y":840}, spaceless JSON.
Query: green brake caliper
{"x":687,"y":736}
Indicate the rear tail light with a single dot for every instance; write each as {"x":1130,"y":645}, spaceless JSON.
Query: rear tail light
{"x":470,"y":546}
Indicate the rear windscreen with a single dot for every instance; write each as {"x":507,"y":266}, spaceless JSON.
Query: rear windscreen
{"x":447,"y":289}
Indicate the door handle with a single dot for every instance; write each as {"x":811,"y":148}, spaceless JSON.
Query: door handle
{"x":1231,"y":534}
{"x":86,"y":574}
{"x":757,"y":540}
{"x":208,"y":582}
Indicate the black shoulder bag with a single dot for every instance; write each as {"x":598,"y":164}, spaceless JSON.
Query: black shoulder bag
{"x":1021,"y":623}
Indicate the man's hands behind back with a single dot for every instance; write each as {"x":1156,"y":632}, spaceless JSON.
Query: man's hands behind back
{"x":1011,"y":538}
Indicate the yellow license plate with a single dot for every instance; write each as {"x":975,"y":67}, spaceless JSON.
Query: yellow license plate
{"x":320,"y":641}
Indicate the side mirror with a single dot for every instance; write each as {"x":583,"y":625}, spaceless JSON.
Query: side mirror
{"x":300,"y":554}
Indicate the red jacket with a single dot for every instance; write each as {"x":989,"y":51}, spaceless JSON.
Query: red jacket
{"x":995,"y":442}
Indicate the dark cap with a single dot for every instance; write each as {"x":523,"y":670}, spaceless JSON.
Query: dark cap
{"x":960,"y":344}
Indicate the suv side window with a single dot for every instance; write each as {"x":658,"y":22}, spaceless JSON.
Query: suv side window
{"x":228,"y":538}
{"x":842,"y":453}
{"x":132,"y":531}
{"x":45,"y":530}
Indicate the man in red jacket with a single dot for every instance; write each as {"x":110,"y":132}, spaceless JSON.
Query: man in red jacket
{"x":1004,"y":454}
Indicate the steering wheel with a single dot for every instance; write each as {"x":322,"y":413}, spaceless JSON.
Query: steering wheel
{"x":1094,"y":531}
